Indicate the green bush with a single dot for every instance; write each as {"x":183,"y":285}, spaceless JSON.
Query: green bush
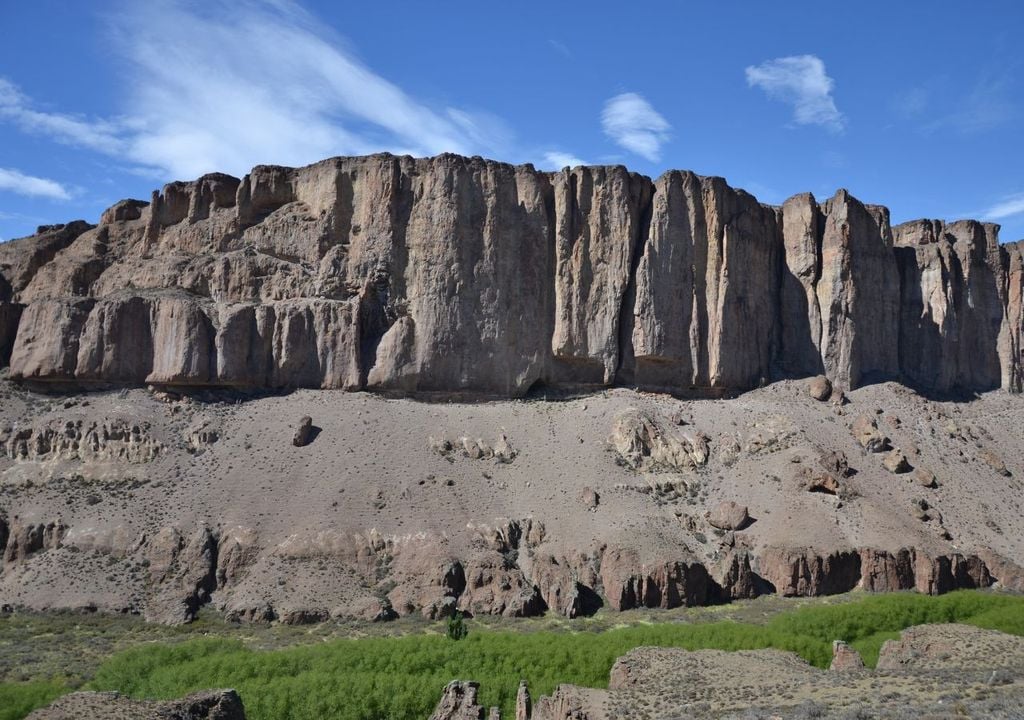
{"x":402,"y":677}
{"x":18,"y":699}
{"x":457,"y":629}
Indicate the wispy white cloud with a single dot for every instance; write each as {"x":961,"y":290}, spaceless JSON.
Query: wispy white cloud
{"x":1007,"y":207}
{"x":801,"y":81}
{"x":985,"y":106}
{"x":911,"y":103}
{"x":31,"y":186}
{"x":226,"y":85}
{"x":633,"y":123}
{"x":562,"y":48}
{"x":555,"y":160}
{"x":102,"y":135}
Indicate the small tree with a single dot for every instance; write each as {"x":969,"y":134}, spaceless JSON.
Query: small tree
{"x":457,"y":627}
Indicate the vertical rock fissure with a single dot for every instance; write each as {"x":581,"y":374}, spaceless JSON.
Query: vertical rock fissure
{"x":625,"y":363}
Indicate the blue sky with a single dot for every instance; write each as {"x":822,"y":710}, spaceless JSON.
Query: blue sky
{"x":915,"y":105}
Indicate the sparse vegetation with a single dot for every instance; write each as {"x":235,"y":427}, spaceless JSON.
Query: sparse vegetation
{"x":402,"y":677}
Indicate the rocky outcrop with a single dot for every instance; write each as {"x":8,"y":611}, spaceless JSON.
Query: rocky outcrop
{"x":207,"y":705}
{"x":642,"y":443}
{"x":24,"y":538}
{"x":464,"y":276}
{"x":845,"y":658}
{"x":82,"y":439}
{"x":803,"y":573}
{"x":957,"y":328}
{"x":183,"y":574}
{"x":458,"y":702}
{"x":630,"y":583}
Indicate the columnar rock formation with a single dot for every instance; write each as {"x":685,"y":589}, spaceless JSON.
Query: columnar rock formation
{"x":461,"y":275}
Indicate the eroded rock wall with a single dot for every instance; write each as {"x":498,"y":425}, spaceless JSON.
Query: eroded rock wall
{"x":459,"y":275}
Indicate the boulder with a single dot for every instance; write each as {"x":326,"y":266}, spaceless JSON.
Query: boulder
{"x":303,"y":432}
{"x":728,"y":515}
{"x":865,"y":430}
{"x":896,"y":462}
{"x":820,"y":388}
{"x":590,"y":498}
{"x":925,"y":477}
{"x":845,"y":658}
{"x":995,"y":462}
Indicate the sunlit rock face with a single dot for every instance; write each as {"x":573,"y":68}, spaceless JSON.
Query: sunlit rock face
{"x":456,"y":275}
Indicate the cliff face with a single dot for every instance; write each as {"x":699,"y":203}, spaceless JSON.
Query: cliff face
{"x":460,"y":275}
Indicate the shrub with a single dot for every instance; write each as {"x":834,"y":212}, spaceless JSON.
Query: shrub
{"x":457,"y":629}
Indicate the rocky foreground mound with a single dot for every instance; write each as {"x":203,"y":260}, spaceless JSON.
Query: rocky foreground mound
{"x":933,"y":671}
{"x":211,"y":705}
{"x":461,"y":275}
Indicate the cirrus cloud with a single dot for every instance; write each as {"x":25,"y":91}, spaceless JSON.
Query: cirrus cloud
{"x":31,"y":186}
{"x":801,"y":81}
{"x":225,"y":85}
{"x":634,"y":124}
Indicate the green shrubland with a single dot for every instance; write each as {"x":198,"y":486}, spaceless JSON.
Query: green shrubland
{"x":401,"y":677}
{"x":18,"y":699}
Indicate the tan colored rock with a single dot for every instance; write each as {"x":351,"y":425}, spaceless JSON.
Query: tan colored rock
{"x":802,"y":226}
{"x":590,"y":498}
{"x":859,"y":329}
{"x":459,"y":702}
{"x":925,"y":477}
{"x":643,"y":443}
{"x":820,"y":388}
{"x":630,"y":583}
{"x":728,"y":515}
{"x":820,"y":482}
{"x":303,"y":432}
{"x":806,"y":573}
{"x":465,"y":276}
{"x":952,"y":337}
{"x":845,"y":658}
{"x":995,"y":462}
{"x":24,"y":538}
{"x":896,"y":462}
{"x":523,"y":704}
{"x":206,"y":705}
{"x":493,"y":587}
{"x":836,"y":463}
{"x":865,"y":430}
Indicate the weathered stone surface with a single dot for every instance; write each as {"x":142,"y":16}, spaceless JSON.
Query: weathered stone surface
{"x":820,"y":388}
{"x":460,"y":275}
{"x":524,"y":706}
{"x":630,"y":583}
{"x":865,"y":430}
{"x":206,"y":705}
{"x":805,"y":573}
{"x":858,"y":293}
{"x":458,"y":702}
{"x":643,"y":443}
{"x":896,"y":462}
{"x":953,"y":305}
{"x":845,"y":658}
{"x":303,"y":431}
{"x":24,"y":538}
{"x":728,"y":515}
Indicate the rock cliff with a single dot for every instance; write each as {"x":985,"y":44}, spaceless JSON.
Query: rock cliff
{"x":460,"y":275}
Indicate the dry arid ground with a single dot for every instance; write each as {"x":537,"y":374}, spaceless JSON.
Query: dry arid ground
{"x":206,"y":499}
